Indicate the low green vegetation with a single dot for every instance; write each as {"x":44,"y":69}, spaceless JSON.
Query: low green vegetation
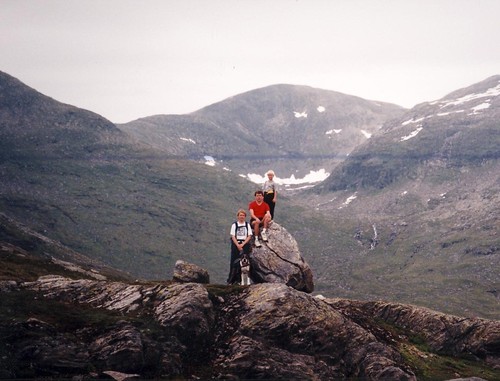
{"x":429,"y":366}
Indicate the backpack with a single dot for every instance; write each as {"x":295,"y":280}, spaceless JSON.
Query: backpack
{"x":247,"y":225}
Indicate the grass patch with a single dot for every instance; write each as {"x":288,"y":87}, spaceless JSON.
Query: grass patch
{"x":216,"y":290}
{"x":432,"y":367}
{"x":25,"y":267}
{"x":20,"y":306}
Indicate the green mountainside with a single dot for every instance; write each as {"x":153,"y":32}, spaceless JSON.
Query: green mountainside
{"x":411,"y":220}
{"x":75,"y":178}
{"x":422,"y":199}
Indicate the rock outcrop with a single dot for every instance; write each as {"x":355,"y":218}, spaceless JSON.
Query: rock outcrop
{"x":447,"y":334}
{"x":190,"y":330}
{"x":185,"y":272}
{"x":279,"y":261}
{"x":285,"y":334}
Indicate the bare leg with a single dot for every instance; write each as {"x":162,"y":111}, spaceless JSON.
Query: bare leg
{"x":256,"y":228}
{"x":266,"y":221}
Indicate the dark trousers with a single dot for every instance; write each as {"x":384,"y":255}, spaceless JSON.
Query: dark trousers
{"x":268,"y":198}
{"x":234,"y":264}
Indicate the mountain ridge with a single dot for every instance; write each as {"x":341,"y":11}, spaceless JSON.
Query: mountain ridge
{"x":269,"y":126}
{"x":427,"y":133}
{"x":35,"y":123}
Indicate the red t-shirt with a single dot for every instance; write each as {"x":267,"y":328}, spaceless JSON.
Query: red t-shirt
{"x":259,"y":210}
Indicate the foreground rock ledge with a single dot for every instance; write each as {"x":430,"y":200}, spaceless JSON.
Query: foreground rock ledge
{"x":265,"y":331}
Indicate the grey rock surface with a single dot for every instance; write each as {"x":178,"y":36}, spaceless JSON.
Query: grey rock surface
{"x":279,"y":261}
{"x":188,"y":272}
{"x":262,"y":331}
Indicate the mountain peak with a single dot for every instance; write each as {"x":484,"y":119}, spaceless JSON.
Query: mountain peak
{"x":485,"y":90}
{"x":34,"y":124}
{"x":278,"y":124}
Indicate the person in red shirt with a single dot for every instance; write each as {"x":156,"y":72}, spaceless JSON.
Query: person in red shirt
{"x":260,"y":215}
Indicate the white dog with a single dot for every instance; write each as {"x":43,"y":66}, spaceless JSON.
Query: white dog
{"x":245,"y":270}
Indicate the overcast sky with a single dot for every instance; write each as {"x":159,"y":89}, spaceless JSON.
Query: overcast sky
{"x":126,"y":59}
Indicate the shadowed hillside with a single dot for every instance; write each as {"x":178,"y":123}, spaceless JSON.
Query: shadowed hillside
{"x":73,"y":176}
{"x":422,"y":201}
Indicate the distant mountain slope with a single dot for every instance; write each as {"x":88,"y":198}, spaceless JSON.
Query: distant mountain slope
{"x":34,"y":125}
{"x":422,"y":200}
{"x":74,"y":177}
{"x":461,"y":129}
{"x":291,"y":128}
{"x":26,"y":255}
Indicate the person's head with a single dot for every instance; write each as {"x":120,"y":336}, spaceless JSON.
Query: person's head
{"x":270,"y":174}
{"x":259,"y":196}
{"x":241,"y":215}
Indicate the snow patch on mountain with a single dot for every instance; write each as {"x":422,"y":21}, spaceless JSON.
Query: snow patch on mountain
{"x":491,"y":92}
{"x":474,"y":110}
{"x":188,"y":140}
{"x":309,"y":180}
{"x":367,"y":134}
{"x":313,"y":177}
{"x":329,"y":132}
{"x":478,"y":108}
{"x":449,"y":112}
{"x":300,"y":114}
{"x":210,"y":161}
{"x":412,"y":134}
{"x":349,"y":200}
{"x":410,"y":121}
{"x":321,"y":109}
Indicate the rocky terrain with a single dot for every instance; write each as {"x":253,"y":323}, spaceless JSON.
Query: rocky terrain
{"x":263,"y":331}
{"x":76,"y":323}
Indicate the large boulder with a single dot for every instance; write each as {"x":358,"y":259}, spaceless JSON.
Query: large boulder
{"x":185,"y":272}
{"x":279,"y":261}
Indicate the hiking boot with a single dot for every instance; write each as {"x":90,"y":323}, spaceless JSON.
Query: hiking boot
{"x":263,"y":234}
{"x":257,"y":242}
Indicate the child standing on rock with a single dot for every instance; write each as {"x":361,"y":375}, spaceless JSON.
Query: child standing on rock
{"x":270,"y":191}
